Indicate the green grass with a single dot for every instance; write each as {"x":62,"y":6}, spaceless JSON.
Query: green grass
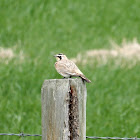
{"x":43,"y":28}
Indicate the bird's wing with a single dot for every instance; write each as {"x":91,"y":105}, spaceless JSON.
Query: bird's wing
{"x":68,"y":67}
{"x":74,"y":68}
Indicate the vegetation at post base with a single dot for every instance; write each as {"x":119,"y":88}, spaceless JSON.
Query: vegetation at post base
{"x":31,"y":32}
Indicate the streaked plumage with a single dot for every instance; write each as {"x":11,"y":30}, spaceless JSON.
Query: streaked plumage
{"x":67,"y":68}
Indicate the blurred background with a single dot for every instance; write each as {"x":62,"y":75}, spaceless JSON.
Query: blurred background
{"x":101,"y":37}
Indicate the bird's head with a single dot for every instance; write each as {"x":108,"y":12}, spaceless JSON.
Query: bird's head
{"x":60,"y":56}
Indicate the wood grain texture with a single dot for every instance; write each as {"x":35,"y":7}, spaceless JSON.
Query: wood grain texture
{"x":64,"y":109}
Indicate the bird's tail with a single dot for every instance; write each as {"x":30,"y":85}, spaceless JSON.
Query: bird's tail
{"x":85,"y":79}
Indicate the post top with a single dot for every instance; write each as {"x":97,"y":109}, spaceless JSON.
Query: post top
{"x":63,"y":81}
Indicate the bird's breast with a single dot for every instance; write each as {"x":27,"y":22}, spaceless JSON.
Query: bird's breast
{"x":56,"y":64}
{"x":57,"y":67}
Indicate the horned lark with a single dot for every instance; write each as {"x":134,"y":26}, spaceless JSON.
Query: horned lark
{"x":67,"y":68}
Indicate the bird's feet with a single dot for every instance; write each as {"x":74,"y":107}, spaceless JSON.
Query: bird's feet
{"x":66,"y":77}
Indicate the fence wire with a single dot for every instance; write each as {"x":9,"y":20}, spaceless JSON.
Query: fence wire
{"x":20,"y":135}
{"x":112,"y":138}
{"x":88,"y":137}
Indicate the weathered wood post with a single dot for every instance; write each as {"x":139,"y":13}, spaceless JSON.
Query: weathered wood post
{"x":64,"y":109}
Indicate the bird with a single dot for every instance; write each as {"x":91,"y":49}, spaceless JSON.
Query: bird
{"x":68,"y":68}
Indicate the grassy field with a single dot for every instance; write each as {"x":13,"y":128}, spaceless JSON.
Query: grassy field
{"x":36,"y":30}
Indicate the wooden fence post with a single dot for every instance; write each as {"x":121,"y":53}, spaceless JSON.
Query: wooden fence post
{"x":64,"y":109}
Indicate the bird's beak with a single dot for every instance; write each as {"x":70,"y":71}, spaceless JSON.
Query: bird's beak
{"x":55,"y":55}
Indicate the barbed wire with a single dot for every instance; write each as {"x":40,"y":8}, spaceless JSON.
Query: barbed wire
{"x":20,"y":135}
{"x":112,"y":138}
{"x":88,"y":137}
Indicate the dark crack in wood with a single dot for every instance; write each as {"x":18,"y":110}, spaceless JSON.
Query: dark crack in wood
{"x":73,"y":114}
